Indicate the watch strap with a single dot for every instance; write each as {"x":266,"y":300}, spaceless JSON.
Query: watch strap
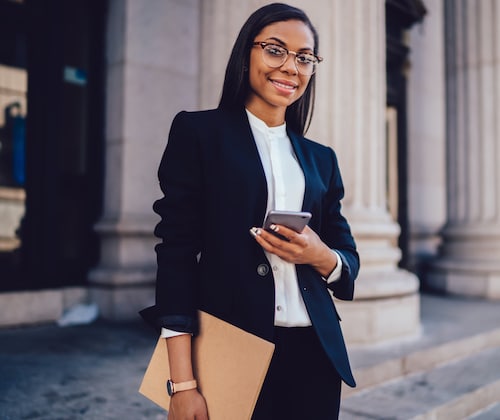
{"x":183,"y":386}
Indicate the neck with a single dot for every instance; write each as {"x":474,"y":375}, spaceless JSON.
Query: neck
{"x":272,"y":117}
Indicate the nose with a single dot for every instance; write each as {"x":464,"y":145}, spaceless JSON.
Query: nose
{"x":289,"y":66}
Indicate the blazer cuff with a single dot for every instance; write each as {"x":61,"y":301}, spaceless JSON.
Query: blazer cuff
{"x":337,"y":272}
{"x":343,"y":288}
{"x":179,"y":323}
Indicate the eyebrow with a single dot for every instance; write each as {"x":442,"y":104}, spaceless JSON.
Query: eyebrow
{"x":283,"y":43}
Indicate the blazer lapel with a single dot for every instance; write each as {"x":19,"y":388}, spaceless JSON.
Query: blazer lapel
{"x":241,"y":134}
{"x":305,"y":164}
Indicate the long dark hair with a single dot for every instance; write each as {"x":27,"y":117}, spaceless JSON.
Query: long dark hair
{"x":236,"y":82}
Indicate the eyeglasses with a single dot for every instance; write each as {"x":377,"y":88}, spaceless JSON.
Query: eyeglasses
{"x":275,"y":56}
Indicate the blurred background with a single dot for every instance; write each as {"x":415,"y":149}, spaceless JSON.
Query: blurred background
{"x":408,"y":96}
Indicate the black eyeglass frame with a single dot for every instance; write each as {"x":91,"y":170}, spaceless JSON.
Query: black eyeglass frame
{"x":263,"y":45}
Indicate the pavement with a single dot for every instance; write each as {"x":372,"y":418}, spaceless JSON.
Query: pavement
{"x":450,"y":371}
{"x":80,"y":372}
{"x":94,"y":371}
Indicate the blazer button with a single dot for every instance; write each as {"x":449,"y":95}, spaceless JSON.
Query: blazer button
{"x":262,"y":269}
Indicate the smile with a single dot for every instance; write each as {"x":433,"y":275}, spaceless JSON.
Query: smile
{"x":284,"y":85}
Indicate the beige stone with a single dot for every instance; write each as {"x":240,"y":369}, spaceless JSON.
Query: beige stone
{"x":146,"y":86}
{"x":468,"y":261}
{"x":32,"y":307}
{"x":122,"y":304}
{"x":383,"y":319}
{"x":73,"y":296}
{"x":426,"y":134}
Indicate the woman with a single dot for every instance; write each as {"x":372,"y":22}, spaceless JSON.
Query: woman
{"x":221,"y":172}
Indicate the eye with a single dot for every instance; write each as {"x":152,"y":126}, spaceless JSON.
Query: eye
{"x":307,"y":59}
{"x":275,"y":50}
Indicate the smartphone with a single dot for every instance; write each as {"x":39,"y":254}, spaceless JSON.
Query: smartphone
{"x":296,"y":220}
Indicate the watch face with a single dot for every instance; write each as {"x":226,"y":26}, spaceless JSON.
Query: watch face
{"x":170,"y":387}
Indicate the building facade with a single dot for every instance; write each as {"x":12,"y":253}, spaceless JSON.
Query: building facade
{"x":408,"y":96}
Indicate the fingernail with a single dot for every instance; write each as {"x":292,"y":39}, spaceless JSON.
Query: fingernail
{"x":254,"y":231}
{"x":274,"y":228}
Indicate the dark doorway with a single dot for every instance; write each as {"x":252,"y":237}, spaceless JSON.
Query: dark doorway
{"x":64,"y":47}
{"x":13,"y":111}
{"x":400,"y":16}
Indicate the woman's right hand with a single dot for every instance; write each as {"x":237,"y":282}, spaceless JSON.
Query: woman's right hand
{"x":188,"y":405}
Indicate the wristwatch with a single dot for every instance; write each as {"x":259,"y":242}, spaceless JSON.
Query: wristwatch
{"x":173,"y":387}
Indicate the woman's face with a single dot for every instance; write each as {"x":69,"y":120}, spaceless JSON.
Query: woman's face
{"x":272,"y":90}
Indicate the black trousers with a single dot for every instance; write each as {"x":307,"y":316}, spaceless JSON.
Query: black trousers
{"x":301,"y":382}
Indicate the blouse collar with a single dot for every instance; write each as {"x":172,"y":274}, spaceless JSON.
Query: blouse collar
{"x":261,"y":126}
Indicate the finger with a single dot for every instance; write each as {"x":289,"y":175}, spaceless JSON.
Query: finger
{"x":275,"y":231}
{"x":290,"y":250}
{"x":300,"y":239}
{"x":277,"y":236}
{"x":261,"y":235}
{"x":265,"y":239}
{"x":284,"y":231}
{"x":270,"y":243}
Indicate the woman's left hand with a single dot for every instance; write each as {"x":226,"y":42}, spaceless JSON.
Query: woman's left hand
{"x":298,"y":248}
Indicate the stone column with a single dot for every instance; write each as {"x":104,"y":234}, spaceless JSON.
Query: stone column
{"x":151,"y":73}
{"x":469,"y":261}
{"x":426,"y":136}
{"x":350,"y":117}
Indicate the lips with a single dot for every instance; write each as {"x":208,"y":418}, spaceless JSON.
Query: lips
{"x":284,"y":85}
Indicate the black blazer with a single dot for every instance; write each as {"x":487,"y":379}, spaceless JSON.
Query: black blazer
{"x":214,"y":191}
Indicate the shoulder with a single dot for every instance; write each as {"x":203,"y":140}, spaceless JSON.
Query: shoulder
{"x":210,"y":125}
{"x":320,"y":158}
{"x":204,"y":117}
{"x":317,"y":147}
{"x":318,"y":150}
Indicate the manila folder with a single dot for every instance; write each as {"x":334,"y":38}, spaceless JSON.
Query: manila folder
{"x":230,"y":366}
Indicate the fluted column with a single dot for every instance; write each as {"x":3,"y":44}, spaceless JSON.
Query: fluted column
{"x":426,"y":137}
{"x":469,"y":261}
{"x":350,"y":117}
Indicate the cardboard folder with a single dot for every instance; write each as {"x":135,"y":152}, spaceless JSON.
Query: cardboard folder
{"x":230,"y":366}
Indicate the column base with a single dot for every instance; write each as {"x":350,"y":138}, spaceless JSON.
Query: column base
{"x":123,"y":282}
{"x":474,"y":279}
{"x":122,"y":304}
{"x":386,"y":307}
{"x":468,"y":264}
{"x":121,"y":292}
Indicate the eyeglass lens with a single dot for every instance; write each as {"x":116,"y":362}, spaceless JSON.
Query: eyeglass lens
{"x":275,"y":56}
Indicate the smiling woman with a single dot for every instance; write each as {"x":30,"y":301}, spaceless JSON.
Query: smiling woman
{"x":222,"y":261}
{"x":275,"y":85}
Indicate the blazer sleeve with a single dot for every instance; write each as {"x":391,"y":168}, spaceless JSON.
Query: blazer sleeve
{"x":337,"y":235}
{"x":179,"y":230}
